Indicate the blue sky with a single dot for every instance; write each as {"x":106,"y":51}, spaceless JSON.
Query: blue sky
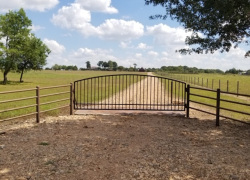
{"x":77,"y":31}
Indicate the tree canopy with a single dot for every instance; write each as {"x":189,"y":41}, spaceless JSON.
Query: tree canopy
{"x":216,"y":25}
{"x":19,"y":49}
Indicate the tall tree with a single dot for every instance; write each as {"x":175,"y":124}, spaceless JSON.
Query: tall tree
{"x":216,"y":25}
{"x":14,"y":29}
{"x":34,"y":54}
{"x":88,"y":65}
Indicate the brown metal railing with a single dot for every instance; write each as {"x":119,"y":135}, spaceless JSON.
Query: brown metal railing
{"x":38,"y":104}
{"x":217,"y":98}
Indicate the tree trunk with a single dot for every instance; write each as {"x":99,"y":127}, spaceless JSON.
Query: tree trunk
{"x":5,"y":77}
{"x":21,"y":77}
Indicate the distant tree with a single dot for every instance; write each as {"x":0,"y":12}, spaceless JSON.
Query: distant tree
{"x":248,"y":72}
{"x":233,"y":71}
{"x":63,"y":67}
{"x":88,"y":65}
{"x":115,"y":66}
{"x":216,"y":25}
{"x":120,"y":68}
{"x":131,"y":69}
{"x":74,"y":68}
{"x":135,"y":66}
{"x":110,"y":63}
{"x":105,"y":65}
{"x":100,"y":64}
{"x":56,"y":67}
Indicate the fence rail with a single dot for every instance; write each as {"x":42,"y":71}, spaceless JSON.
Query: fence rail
{"x":218,"y":100}
{"x":37,"y":98}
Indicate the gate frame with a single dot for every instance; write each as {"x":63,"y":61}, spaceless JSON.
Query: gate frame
{"x":183,"y":95}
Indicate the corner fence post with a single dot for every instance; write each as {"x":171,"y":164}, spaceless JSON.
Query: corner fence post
{"x":71,"y":99}
{"x":218,"y":108}
{"x":37,"y":104}
{"x":188,"y":100}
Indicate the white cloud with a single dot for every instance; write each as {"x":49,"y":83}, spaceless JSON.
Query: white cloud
{"x":54,"y":46}
{"x":114,"y":29}
{"x":74,"y":17}
{"x":98,"y":6}
{"x":153,"y":53}
{"x":165,"y":35}
{"x":35,"y":28}
{"x":125,"y":44}
{"x":138,"y":55}
{"x":38,"y":5}
{"x":143,"y":46}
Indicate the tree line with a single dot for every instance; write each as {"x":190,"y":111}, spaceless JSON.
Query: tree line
{"x":113,"y":66}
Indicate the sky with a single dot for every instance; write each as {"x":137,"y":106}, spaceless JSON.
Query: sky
{"x":77,"y":31}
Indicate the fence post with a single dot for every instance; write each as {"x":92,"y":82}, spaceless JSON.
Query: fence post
{"x":188,"y":99}
{"x":71,"y":99}
{"x":227,"y":86}
{"x":238,"y":87}
{"x":171,"y":100}
{"x":218,"y":108}
{"x":37,"y":104}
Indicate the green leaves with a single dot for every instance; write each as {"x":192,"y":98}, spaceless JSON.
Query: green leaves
{"x":216,"y":24}
{"x":21,"y":50}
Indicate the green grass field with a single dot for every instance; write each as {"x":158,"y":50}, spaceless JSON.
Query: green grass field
{"x":213,"y":81}
{"x":43,"y":79}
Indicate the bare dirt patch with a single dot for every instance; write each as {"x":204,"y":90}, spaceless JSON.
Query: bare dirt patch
{"x":143,"y":146}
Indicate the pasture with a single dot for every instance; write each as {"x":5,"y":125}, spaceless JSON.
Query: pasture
{"x":214,"y":81}
{"x":42,"y":79}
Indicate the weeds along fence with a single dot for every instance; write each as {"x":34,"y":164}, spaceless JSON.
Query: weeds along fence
{"x":220,"y":104}
{"x":35,"y":101}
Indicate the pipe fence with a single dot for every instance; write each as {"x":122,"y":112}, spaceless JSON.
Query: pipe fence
{"x":37,"y":104}
{"x":217,"y":97}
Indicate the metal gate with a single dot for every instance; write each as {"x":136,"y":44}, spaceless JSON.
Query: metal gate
{"x":129,"y":92}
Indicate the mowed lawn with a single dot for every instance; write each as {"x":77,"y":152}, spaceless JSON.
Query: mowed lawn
{"x":45,"y":78}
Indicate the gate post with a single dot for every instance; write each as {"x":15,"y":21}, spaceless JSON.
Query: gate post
{"x":71,"y":99}
{"x":188,"y":99}
{"x":218,"y":108}
{"x":37,"y":104}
